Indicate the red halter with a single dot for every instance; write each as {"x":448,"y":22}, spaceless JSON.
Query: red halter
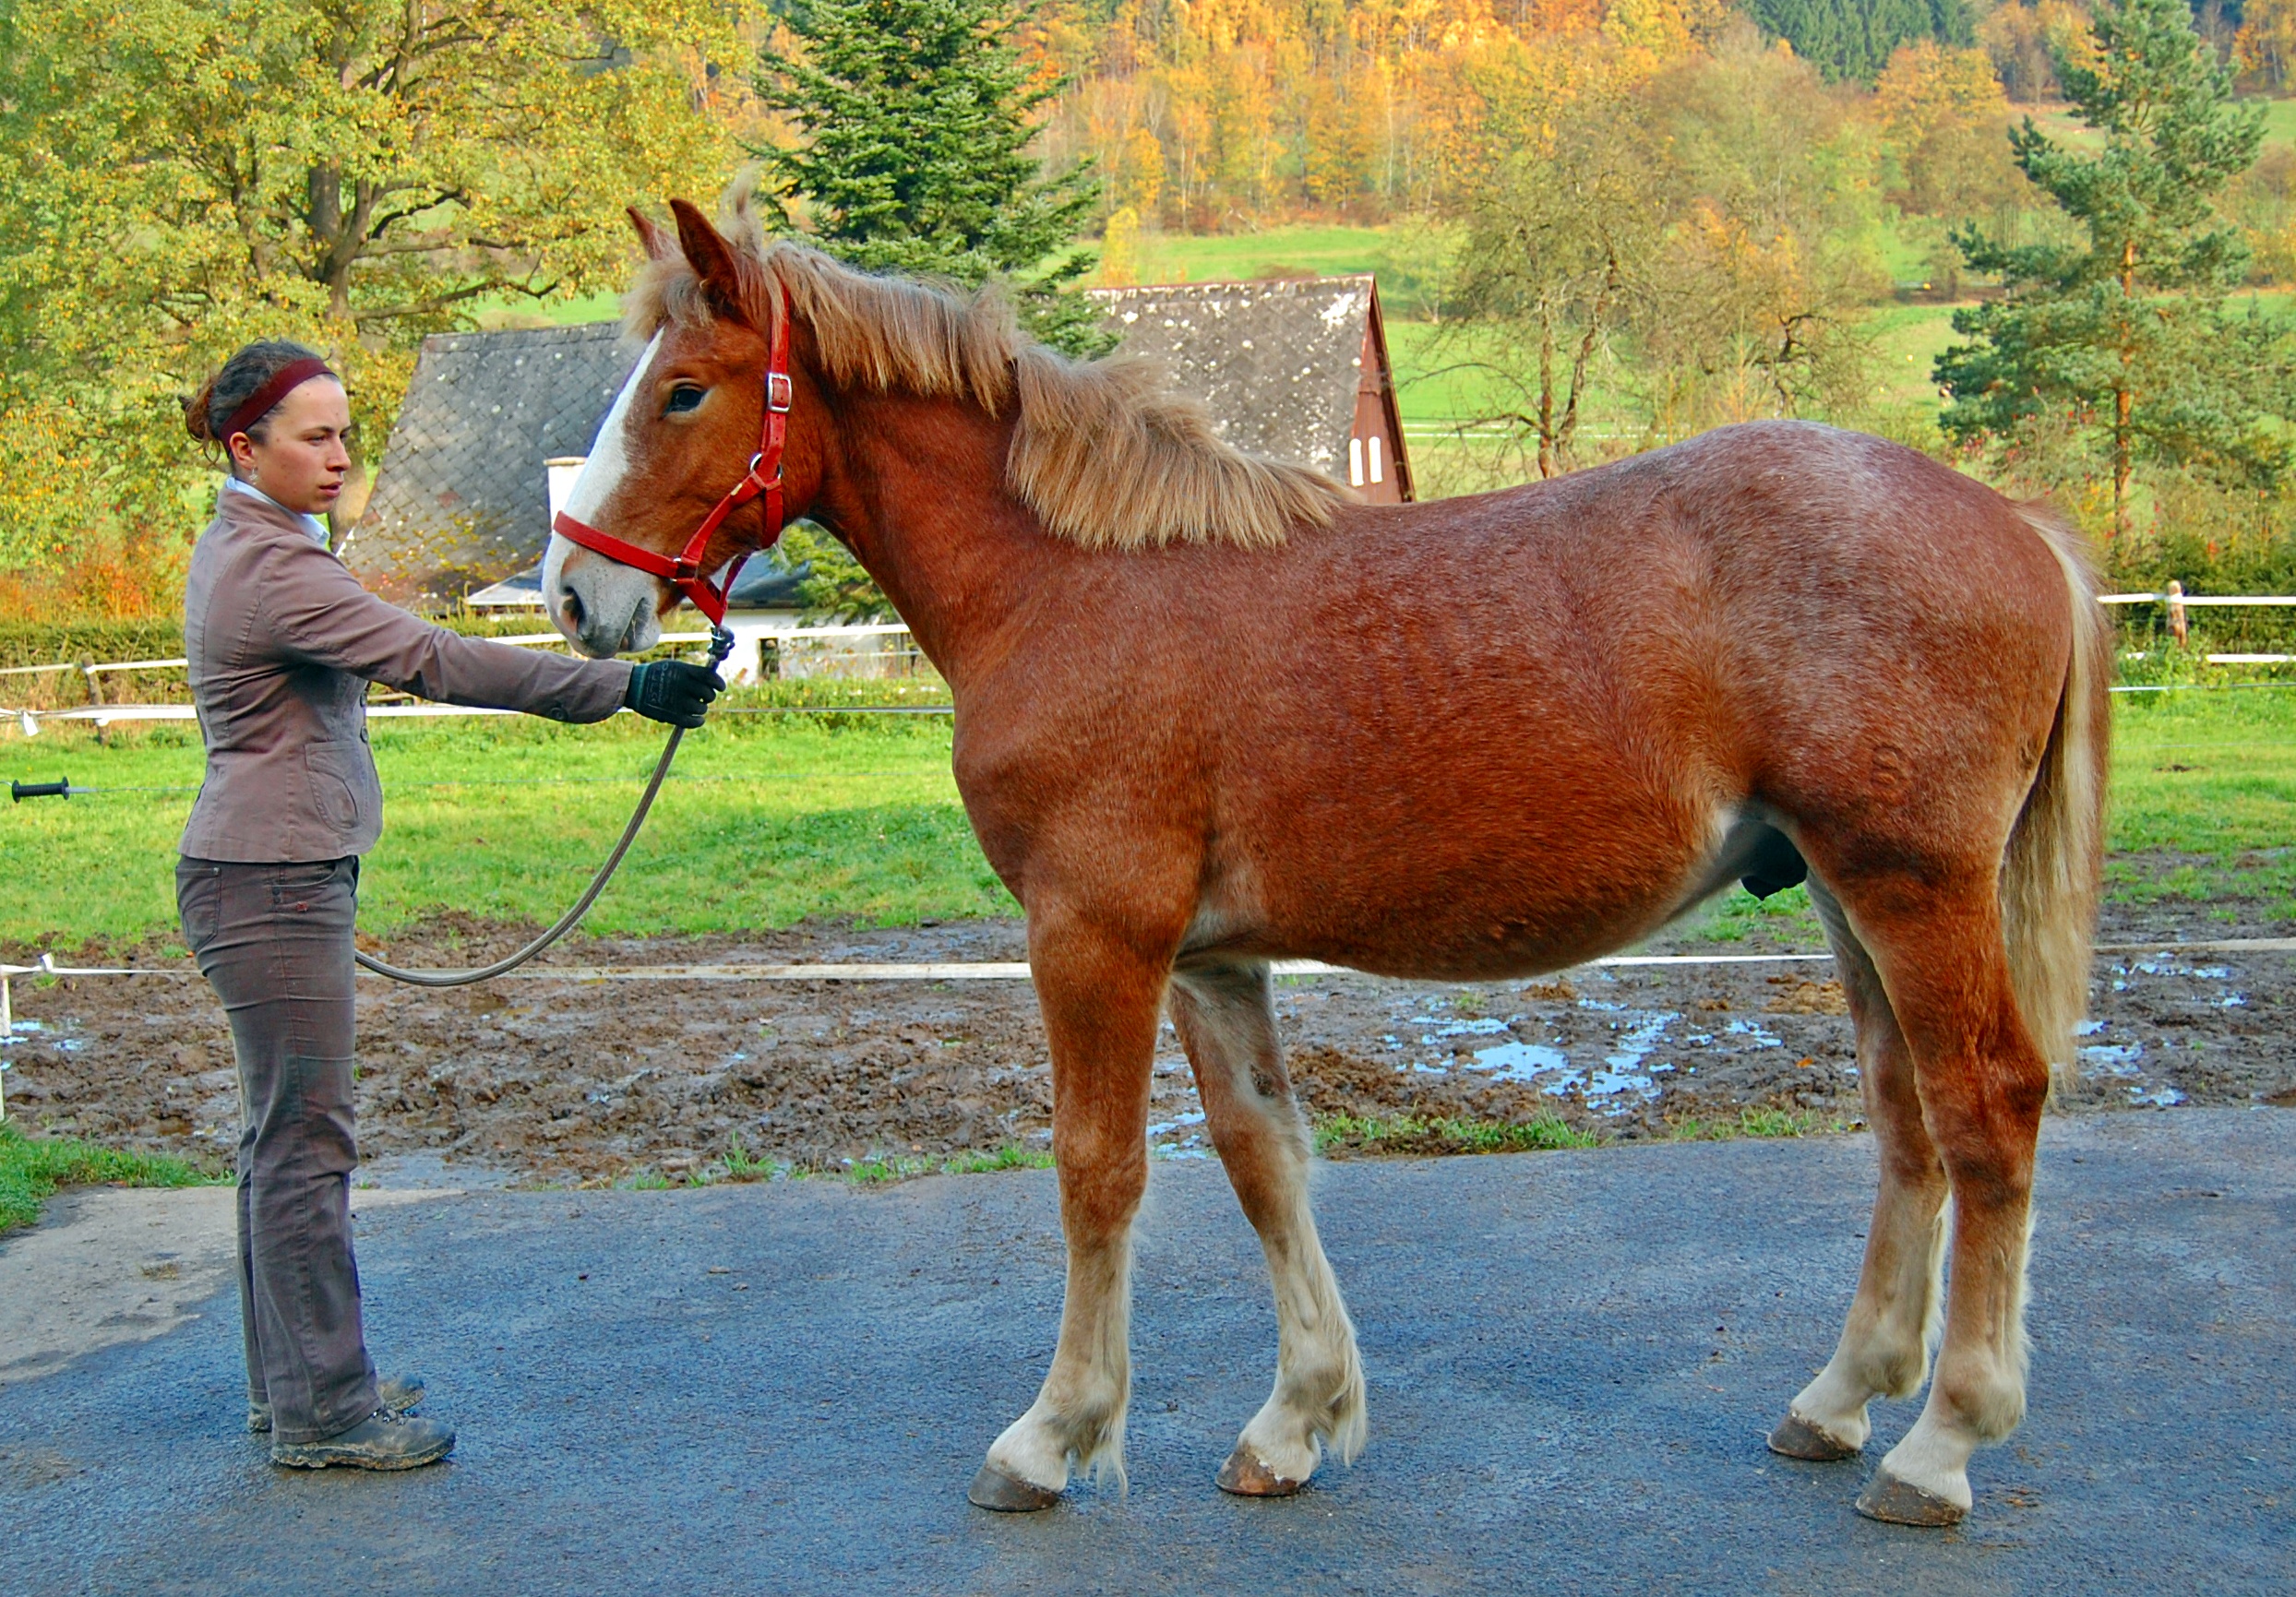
{"x":684,"y":573}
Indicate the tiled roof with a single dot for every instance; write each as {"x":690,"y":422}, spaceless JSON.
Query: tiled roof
{"x":461,"y":499}
{"x":1277,"y":364}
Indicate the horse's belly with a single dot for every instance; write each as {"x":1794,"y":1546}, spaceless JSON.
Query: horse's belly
{"x":1451,"y":899}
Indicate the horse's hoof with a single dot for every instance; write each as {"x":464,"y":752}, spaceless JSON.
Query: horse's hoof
{"x":1798,"y":1439}
{"x":1246,"y":1476}
{"x":995,"y":1490}
{"x":1897,"y":1502}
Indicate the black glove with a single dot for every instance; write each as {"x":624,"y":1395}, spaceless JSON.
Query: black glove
{"x":672,"y":690}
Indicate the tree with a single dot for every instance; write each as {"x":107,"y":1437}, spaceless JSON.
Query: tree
{"x":2266,"y":45}
{"x":918,"y":118}
{"x":1942,"y":113}
{"x":1854,"y":39}
{"x":1773,"y":205}
{"x":1559,"y":246}
{"x":180,"y":176}
{"x":2123,"y":348}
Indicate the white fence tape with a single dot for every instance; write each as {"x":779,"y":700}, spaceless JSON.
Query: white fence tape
{"x":1017,"y":971}
{"x":105,"y":714}
{"x":2192,"y":599}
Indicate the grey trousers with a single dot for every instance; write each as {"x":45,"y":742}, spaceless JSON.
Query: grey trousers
{"x":274,"y":942}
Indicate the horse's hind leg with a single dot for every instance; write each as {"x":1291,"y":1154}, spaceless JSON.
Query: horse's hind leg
{"x":1883,"y":1350}
{"x":1937,"y":940}
{"x":1225,"y":1017}
{"x":1101,"y":995}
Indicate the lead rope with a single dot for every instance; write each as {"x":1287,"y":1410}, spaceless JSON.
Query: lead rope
{"x":721,"y":645}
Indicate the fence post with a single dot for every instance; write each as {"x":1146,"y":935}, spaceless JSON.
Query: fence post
{"x":2177,"y":628}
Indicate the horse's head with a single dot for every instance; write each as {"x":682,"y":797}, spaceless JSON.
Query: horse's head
{"x":674,"y":442}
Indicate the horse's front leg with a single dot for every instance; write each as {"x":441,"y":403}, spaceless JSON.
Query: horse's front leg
{"x":1101,"y":994}
{"x":1225,"y":1016}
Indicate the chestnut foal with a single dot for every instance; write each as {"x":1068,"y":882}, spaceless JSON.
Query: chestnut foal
{"x":1212,"y":712}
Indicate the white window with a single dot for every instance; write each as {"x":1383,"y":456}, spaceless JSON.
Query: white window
{"x":1376,"y":475}
{"x":1355,"y":462}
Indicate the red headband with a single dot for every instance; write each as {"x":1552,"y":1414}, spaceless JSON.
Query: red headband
{"x":260,"y":403}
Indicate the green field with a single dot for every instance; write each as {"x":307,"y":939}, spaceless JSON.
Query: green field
{"x":770,"y":820}
{"x":764,"y":821}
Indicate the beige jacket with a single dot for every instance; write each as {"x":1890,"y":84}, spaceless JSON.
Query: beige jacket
{"x":282,"y":642}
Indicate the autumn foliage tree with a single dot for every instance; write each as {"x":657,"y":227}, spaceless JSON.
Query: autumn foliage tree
{"x":180,"y":176}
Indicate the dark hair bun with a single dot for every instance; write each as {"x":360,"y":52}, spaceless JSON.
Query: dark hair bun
{"x":207,"y":412}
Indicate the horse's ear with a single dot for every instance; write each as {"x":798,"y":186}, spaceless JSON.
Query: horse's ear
{"x":650,"y":235}
{"x":712,"y":260}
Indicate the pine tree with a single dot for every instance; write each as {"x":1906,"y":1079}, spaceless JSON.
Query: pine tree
{"x":1854,"y":39}
{"x":2125,"y":344}
{"x":918,"y":118}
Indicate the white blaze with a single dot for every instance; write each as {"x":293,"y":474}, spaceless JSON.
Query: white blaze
{"x":609,"y":456}
{"x":616,"y":600}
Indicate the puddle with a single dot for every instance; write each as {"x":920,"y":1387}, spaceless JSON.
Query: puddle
{"x":1521,"y":1061}
{"x":2162,"y":1098}
{"x":1635,"y":1042}
{"x":1188,"y":1147}
{"x":2169,"y":966}
{"x":1620,"y":1076}
{"x":1487,"y":1027}
{"x":1762,"y":1039}
{"x":2111,"y":1059}
{"x":1613,"y":1083}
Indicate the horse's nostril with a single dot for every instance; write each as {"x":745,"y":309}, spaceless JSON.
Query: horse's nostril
{"x":571,"y":608}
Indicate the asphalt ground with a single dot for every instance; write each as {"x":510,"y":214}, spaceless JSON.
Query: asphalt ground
{"x":1572,"y":1360}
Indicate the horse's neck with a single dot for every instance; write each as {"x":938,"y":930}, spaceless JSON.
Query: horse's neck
{"x":918,"y":491}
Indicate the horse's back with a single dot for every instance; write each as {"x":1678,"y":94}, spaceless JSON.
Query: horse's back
{"x":1527,"y":725}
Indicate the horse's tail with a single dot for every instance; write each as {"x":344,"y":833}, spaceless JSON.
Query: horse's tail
{"x":2052,"y":874}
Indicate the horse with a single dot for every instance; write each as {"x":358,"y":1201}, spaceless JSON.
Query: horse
{"x":1212,"y":711}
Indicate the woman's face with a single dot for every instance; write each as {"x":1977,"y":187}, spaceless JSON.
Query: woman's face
{"x":300,"y":462}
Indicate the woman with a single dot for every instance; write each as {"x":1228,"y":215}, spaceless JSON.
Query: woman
{"x":282,"y":642}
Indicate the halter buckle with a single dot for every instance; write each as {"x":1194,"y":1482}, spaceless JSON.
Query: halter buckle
{"x":779,"y":391}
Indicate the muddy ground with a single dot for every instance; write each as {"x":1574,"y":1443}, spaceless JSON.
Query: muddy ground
{"x":563,"y":1081}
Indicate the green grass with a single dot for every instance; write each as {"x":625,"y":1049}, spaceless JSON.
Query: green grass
{"x":1766,"y":1123}
{"x":2211,"y":775}
{"x":1411,"y":1134}
{"x":2279,"y":122}
{"x":765,"y":820}
{"x":1407,"y":255}
{"x":879,"y":1170}
{"x":770,"y":819}
{"x":1906,"y":341}
{"x":1783,"y":917}
{"x":33,"y":1168}
{"x":738,"y":1164}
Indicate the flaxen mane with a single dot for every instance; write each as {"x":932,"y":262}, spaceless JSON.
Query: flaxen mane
{"x":1104,"y":453}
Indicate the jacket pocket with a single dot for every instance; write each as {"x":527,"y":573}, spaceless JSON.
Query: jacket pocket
{"x":334,"y":771}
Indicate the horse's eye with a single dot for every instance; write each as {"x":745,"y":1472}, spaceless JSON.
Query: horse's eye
{"x":685,"y":397}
